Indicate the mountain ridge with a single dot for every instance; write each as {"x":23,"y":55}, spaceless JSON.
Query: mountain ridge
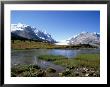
{"x":31,"y":33}
{"x":86,"y":38}
{"x":24,"y":31}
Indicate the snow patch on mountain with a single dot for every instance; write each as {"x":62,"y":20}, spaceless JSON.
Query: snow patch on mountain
{"x":86,"y":38}
{"x":29,"y":32}
{"x":18,"y":26}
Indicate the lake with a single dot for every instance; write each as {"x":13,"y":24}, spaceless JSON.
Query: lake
{"x":30,"y":56}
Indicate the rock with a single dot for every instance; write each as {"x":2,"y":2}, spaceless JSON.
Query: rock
{"x":41,"y":73}
{"x":83,"y":71}
{"x":77,"y":69}
{"x":65,"y":73}
{"x":94,"y":74}
{"x":76,"y":73}
{"x":60,"y":74}
{"x":67,"y":69}
{"x":72,"y":67}
{"x":51,"y":70}
{"x":87,"y":74}
{"x":36,"y":67}
{"x":92,"y":71}
{"x":91,"y":74}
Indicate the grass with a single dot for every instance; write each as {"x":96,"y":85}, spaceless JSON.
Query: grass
{"x":33,"y":45}
{"x":27,"y":45}
{"x":83,"y":65}
{"x":18,"y":44}
{"x":90,"y":60}
{"x":87,"y":60}
{"x":52,"y":57}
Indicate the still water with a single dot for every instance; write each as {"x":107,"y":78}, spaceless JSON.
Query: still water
{"x":30,"y":56}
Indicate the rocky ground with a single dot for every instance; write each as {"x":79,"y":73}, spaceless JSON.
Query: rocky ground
{"x":36,"y":71}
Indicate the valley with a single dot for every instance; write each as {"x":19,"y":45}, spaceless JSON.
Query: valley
{"x":34,"y":53}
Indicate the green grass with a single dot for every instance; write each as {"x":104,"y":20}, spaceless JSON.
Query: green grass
{"x":84,"y":65}
{"x":87,"y":60}
{"x":52,"y":57}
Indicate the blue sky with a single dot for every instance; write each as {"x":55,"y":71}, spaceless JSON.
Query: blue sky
{"x":60,"y":24}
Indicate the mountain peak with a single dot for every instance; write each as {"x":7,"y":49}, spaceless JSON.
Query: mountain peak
{"x":18,"y":26}
{"x":85,"y":38}
{"x":29,"y":32}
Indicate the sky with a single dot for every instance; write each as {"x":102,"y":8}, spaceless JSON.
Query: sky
{"x":62,"y":25}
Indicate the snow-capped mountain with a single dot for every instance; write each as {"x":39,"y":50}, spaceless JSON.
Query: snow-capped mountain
{"x":44,"y":35}
{"x":18,"y":26}
{"x":86,"y":38}
{"x":28,"y":32}
{"x":23,"y":31}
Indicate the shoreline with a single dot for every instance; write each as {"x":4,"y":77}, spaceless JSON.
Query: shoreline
{"x":83,"y":65}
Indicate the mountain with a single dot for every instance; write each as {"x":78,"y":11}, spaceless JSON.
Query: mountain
{"x":16,"y":37}
{"x":26,"y":32}
{"x":23,"y":31}
{"x":44,"y":36}
{"x":86,"y":38}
